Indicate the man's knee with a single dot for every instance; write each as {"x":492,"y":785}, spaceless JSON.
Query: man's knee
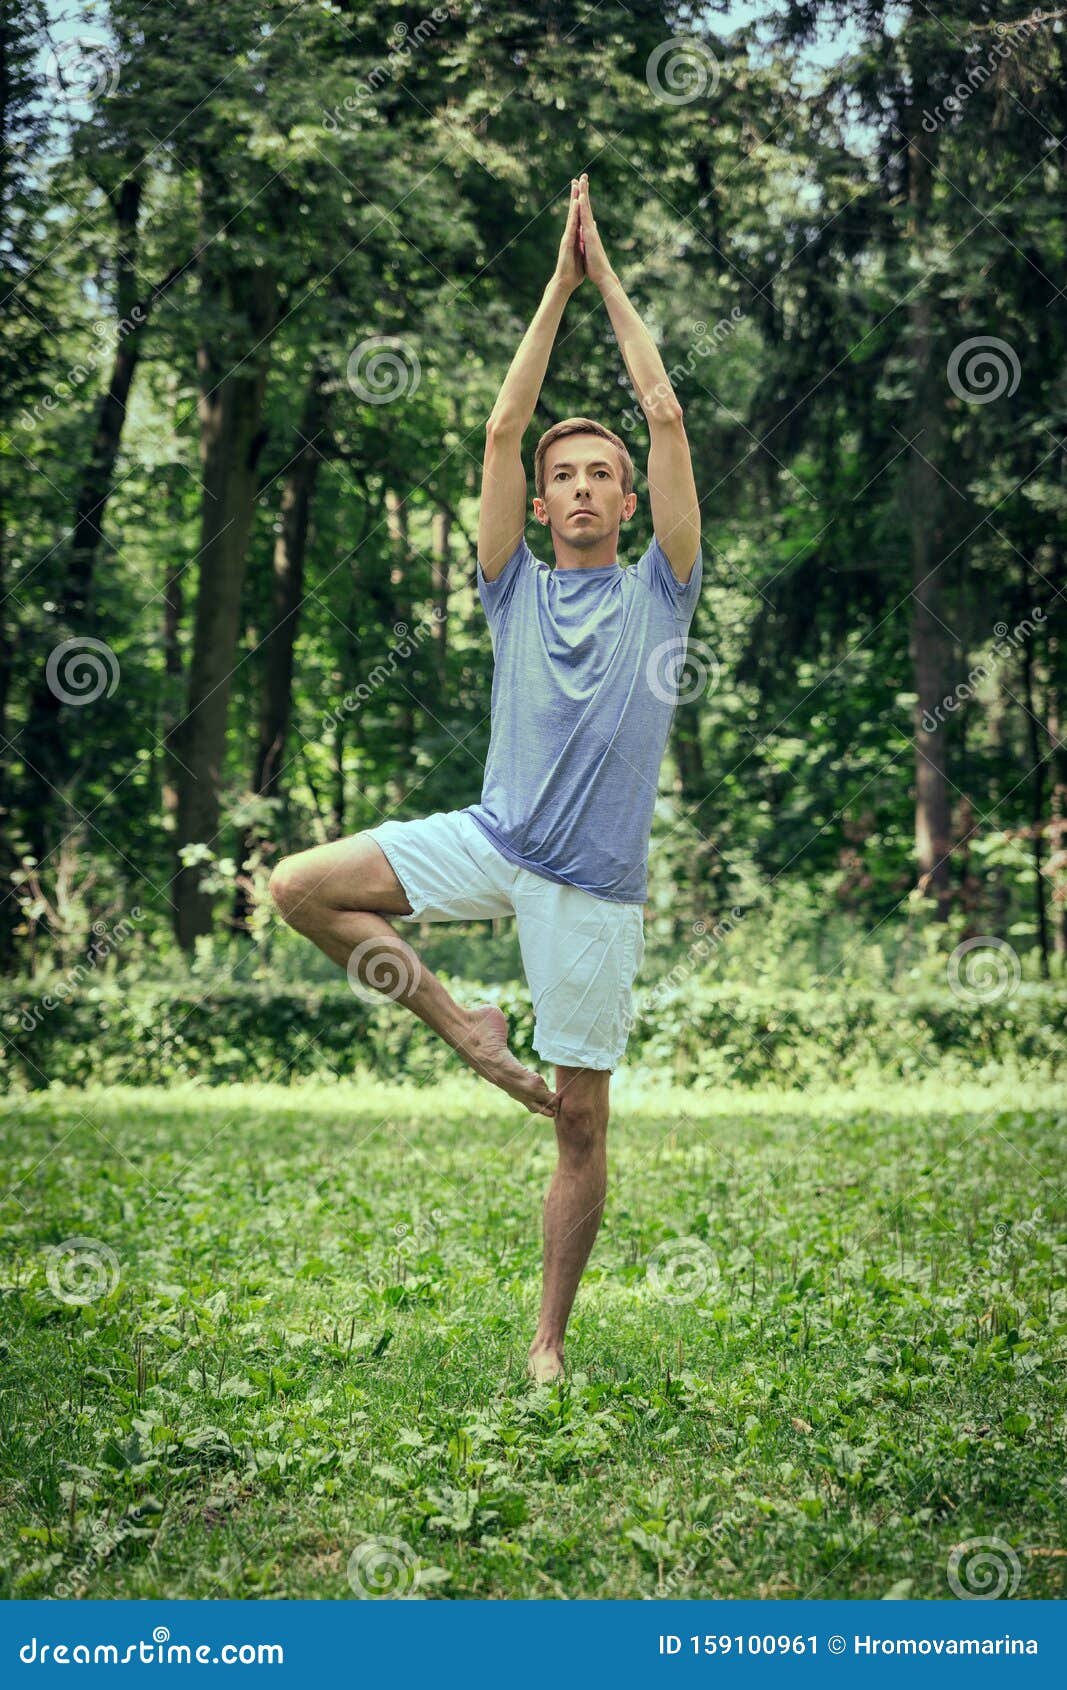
{"x":581,"y":1128}
{"x":292,"y":889}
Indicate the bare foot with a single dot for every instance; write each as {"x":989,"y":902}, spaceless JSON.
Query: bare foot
{"x":484,"y":1048}
{"x":544,"y":1365}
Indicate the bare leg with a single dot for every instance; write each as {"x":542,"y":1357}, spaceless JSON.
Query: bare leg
{"x":573,"y":1208}
{"x":334,"y":895}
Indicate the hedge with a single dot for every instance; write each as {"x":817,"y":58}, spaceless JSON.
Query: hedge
{"x":698,"y":1033}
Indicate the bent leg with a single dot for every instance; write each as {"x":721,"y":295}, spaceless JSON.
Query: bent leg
{"x":573,"y":1207}
{"x":335,"y":895}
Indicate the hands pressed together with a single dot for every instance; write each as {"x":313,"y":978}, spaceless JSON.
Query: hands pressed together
{"x":581,"y":251}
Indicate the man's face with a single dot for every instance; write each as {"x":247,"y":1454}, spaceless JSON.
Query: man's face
{"x":583,"y":503}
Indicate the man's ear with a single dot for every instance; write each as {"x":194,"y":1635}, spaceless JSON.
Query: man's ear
{"x":629,"y":505}
{"x":540,"y":512}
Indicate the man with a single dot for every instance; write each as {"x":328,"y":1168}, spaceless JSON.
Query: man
{"x":584,"y":687}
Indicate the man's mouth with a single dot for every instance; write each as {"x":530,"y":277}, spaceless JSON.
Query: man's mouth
{"x":576,"y":514}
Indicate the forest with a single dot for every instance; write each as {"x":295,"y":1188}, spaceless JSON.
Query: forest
{"x":265,"y":267}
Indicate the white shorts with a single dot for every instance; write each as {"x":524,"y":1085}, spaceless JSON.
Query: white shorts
{"x":580,"y":953}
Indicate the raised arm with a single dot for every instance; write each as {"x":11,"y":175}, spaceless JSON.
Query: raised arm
{"x":502,"y":513}
{"x":671,"y":488}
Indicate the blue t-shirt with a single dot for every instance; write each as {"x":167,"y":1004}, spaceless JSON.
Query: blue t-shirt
{"x":585,"y":680}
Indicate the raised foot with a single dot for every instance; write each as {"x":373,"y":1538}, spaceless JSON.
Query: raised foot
{"x":484,"y":1048}
{"x":543,"y":1365}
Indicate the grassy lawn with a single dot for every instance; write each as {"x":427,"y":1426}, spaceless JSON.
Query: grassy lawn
{"x":820,"y":1343}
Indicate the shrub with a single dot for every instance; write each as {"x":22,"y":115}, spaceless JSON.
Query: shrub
{"x":697,"y":1033}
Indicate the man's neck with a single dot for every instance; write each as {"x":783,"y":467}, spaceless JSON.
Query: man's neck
{"x":605,"y":552}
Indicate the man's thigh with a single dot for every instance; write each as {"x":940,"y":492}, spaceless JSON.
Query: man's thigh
{"x":580,"y":955}
{"x":346,"y":874}
{"x":446,"y":867}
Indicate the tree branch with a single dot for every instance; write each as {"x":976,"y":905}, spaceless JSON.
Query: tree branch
{"x":1035,"y":17}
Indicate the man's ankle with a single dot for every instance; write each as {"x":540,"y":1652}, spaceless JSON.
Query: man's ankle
{"x":458,"y":1027}
{"x":551,"y":1346}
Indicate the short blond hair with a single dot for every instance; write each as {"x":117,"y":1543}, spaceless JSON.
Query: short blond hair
{"x":581,"y":425}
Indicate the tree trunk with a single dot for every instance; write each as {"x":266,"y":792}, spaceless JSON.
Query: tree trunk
{"x":173,"y":605}
{"x":1058,"y":829}
{"x":440,"y":587}
{"x":1037,"y":804}
{"x":233,"y":375}
{"x":1056,"y":724}
{"x":49,"y":765}
{"x":396,"y":513}
{"x":10,"y":913}
{"x":276,"y":650}
{"x":933,"y":844}
{"x":336,"y":827}
{"x":692,"y":788}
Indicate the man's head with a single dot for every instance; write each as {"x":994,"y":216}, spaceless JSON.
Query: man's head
{"x":580,"y":466}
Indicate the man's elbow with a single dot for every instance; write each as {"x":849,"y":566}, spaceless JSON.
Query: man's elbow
{"x":503,"y":425}
{"x":665,"y":414}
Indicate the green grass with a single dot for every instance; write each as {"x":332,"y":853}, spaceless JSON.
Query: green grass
{"x":324,"y":1297}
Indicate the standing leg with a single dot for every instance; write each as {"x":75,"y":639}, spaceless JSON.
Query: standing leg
{"x":573,"y":1207}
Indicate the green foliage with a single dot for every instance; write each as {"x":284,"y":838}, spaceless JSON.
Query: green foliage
{"x":686,"y":1028}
